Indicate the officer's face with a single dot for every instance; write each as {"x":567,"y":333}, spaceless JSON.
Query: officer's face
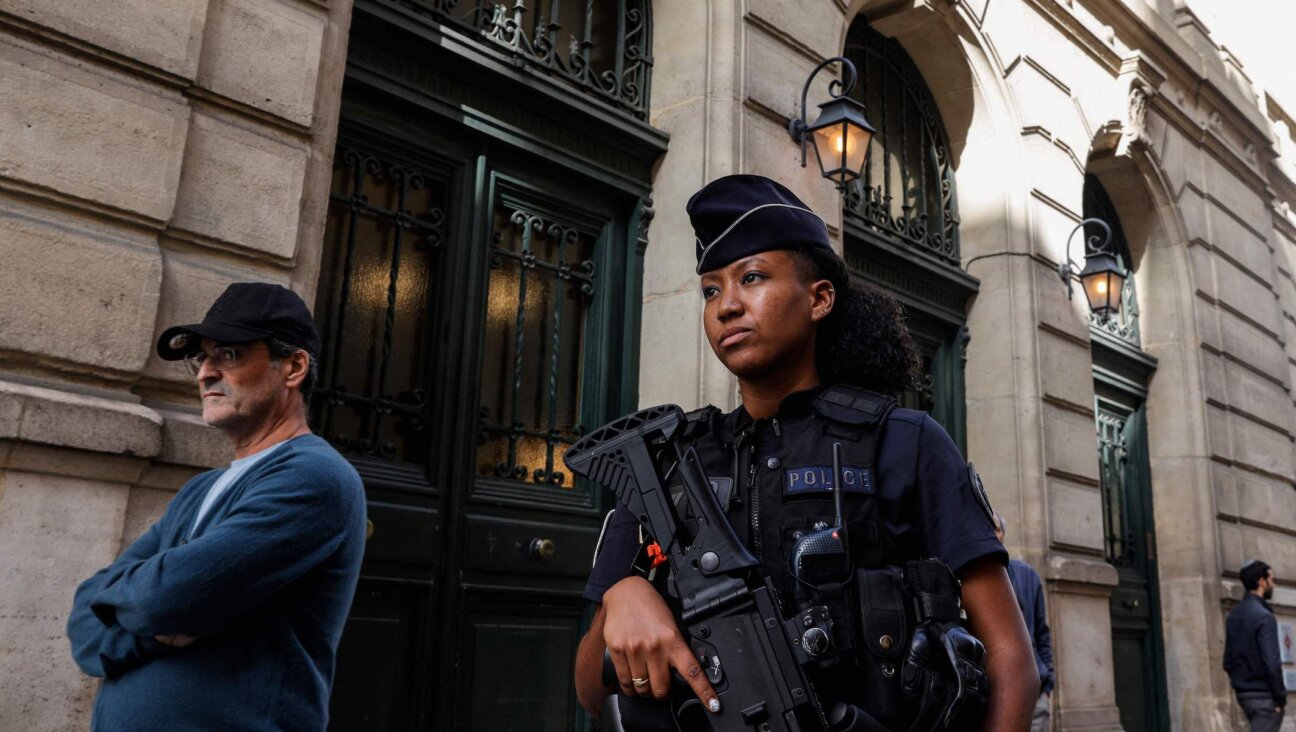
{"x":760,"y":315}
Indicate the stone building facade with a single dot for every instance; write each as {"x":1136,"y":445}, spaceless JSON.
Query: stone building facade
{"x":151,"y":154}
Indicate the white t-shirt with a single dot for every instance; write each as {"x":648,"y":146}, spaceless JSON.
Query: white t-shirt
{"x":227,"y":478}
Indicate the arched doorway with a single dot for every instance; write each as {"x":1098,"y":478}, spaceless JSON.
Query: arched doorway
{"x":902,"y":223}
{"x":1121,"y":373}
{"x":479,"y":305}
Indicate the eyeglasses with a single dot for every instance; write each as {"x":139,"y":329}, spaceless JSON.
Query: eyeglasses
{"x":223,"y":358}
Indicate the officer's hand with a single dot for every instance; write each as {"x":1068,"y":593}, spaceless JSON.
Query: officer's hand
{"x":645,"y":643}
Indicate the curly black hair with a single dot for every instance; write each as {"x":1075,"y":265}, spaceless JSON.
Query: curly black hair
{"x":863,"y":341}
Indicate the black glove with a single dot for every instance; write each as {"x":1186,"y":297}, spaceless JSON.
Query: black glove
{"x":924,"y":677}
{"x":967,"y":705}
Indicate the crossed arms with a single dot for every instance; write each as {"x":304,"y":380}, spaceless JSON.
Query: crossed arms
{"x":152,"y":600}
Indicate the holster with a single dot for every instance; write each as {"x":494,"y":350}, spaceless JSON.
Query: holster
{"x":944,"y":668}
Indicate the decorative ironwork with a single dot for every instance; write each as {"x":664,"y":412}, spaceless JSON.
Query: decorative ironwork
{"x":1113,"y":453}
{"x":385,"y":220}
{"x":602,"y":47}
{"x":1097,"y":204}
{"x":907,"y":191}
{"x":923,"y":394}
{"x":541,"y":285}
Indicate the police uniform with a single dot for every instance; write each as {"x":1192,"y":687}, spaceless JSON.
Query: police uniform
{"x":908,"y":493}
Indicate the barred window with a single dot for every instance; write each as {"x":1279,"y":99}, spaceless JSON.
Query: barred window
{"x":541,"y":286}
{"x":385,"y":220}
{"x":906,"y":193}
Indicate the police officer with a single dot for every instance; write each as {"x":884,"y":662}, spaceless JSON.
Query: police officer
{"x":813,"y":353}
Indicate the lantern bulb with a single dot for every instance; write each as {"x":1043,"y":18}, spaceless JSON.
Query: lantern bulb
{"x":841,"y":145}
{"x":1102,"y":287}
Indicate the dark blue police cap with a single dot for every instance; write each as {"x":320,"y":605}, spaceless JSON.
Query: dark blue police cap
{"x":740,"y":215}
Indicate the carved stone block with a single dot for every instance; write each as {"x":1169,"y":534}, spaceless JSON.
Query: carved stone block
{"x":241,"y":185}
{"x":76,"y":290}
{"x":88,"y":132}
{"x":265,"y":53}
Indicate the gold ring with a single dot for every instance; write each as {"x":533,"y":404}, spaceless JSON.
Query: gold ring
{"x":638,"y":682}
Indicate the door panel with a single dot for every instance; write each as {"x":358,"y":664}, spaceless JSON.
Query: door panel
{"x":372,"y":686}
{"x":544,"y":316}
{"x":503,"y":641}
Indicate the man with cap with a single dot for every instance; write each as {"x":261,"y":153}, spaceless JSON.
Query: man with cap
{"x":227,"y":612}
{"x":817,"y":356}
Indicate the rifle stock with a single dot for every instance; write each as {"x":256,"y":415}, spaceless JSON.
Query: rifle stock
{"x":727,"y":610}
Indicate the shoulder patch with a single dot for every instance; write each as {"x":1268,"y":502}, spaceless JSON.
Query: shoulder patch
{"x":849,"y":405}
{"x":979,"y":492}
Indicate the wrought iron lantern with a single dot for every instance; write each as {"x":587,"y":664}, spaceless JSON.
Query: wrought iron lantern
{"x":1101,"y":277}
{"x":841,"y":135}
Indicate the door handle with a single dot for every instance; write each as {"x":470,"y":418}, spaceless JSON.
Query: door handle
{"x":543,"y":548}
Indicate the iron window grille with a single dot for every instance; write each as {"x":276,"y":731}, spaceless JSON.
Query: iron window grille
{"x":541,"y":286}
{"x":385,"y":221}
{"x":602,"y":47}
{"x":1113,"y":454}
{"x":906,"y":192}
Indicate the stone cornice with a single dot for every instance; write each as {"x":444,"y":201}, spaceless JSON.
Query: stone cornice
{"x":39,"y":424}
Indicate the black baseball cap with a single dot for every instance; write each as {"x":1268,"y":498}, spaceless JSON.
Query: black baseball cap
{"x":740,"y":215}
{"x":246,"y":311}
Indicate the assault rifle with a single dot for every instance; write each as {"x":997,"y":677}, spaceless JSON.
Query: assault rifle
{"x":754,"y":658}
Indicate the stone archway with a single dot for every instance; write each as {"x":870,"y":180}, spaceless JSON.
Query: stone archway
{"x":1127,"y":162}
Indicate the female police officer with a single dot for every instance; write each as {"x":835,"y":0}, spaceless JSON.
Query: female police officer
{"x":782,"y":315}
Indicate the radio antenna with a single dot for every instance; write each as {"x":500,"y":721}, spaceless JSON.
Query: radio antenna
{"x":839,"y":491}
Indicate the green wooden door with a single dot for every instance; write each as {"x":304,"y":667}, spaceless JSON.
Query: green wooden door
{"x":1137,"y":655}
{"x":479,"y":298}
{"x":473,"y":307}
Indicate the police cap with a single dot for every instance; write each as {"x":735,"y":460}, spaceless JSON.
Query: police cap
{"x":740,"y":215}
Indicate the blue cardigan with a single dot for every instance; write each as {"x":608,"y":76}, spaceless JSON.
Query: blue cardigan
{"x":265,"y":585}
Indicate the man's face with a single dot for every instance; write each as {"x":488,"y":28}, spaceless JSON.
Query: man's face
{"x":758,"y":315}
{"x":242,"y":395}
{"x":1267,"y":585}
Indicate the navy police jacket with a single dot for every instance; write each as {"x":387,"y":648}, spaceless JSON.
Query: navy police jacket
{"x":1251,"y":651}
{"x":264,"y":583}
{"x":908,"y":491}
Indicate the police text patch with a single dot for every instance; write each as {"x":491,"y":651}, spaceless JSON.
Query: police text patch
{"x":819,"y":478}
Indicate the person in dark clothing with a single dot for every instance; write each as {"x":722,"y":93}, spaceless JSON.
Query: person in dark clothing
{"x":807,"y":344}
{"x":226,"y":614}
{"x":1030,"y":598}
{"x":1251,"y":651}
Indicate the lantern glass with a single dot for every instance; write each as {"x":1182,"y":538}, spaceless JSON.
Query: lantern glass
{"x":841,"y":148}
{"x":841,"y":138}
{"x":1103,"y":282}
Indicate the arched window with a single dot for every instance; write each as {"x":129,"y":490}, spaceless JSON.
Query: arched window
{"x":901,"y":220}
{"x":1098,"y":205}
{"x":603,"y":47}
{"x":906,"y":193}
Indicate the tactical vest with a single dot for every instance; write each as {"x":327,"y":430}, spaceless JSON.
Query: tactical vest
{"x":772,"y":497}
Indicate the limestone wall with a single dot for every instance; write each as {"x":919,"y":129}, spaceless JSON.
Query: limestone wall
{"x":150,"y":153}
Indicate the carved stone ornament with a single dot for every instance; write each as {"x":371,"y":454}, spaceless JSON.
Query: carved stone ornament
{"x":1143,"y":79}
{"x":1136,"y":119}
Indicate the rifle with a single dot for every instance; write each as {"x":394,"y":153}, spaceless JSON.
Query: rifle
{"x":753,"y":657}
